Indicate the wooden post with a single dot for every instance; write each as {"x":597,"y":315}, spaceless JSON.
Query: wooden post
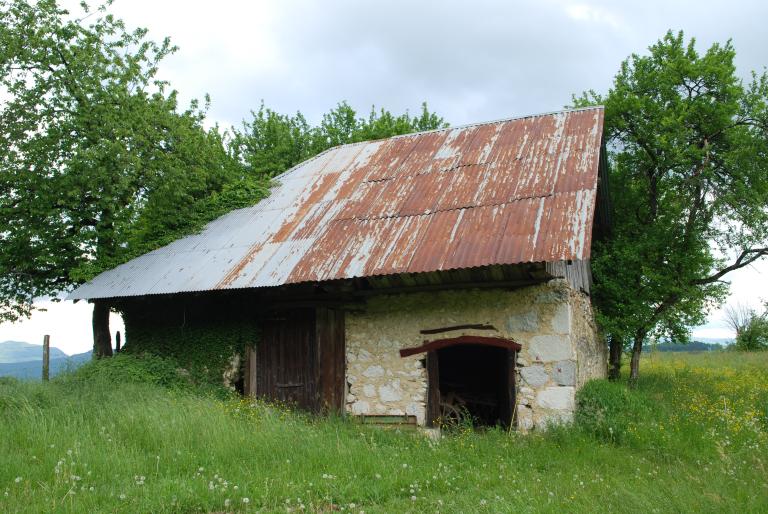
{"x":433,"y":389}
{"x":249,"y":383}
{"x":46,"y":356}
{"x":117,"y":341}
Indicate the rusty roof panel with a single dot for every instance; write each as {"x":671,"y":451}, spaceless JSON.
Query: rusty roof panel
{"x":430,"y":254}
{"x":506,"y":192}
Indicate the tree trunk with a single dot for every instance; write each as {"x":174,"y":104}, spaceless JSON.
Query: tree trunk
{"x":616,"y":348}
{"x":637,"y":348}
{"x":102,"y":339}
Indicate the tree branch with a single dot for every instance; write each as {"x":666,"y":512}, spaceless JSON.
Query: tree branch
{"x":746,"y":258}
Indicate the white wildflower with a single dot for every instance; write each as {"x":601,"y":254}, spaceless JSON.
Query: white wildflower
{"x":246,"y":500}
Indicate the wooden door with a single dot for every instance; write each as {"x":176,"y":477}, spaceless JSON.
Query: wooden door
{"x":331,"y":358}
{"x":286,"y":359}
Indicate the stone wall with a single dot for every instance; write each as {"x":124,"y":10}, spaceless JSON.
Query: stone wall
{"x":591,"y":350}
{"x":547,"y":320}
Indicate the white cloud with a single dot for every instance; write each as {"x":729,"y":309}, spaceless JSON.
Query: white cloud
{"x":707,"y":332}
{"x":593,"y":14}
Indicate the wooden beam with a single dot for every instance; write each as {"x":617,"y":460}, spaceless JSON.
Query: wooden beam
{"x":505,"y":284}
{"x":429,"y":346}
{"x":457,"y":327}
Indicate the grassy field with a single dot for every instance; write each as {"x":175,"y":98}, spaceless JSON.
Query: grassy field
{"x":693,"y":437}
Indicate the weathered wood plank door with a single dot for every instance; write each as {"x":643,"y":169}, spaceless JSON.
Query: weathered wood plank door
{"x":286,"y":359}
{"x":331,"y":359}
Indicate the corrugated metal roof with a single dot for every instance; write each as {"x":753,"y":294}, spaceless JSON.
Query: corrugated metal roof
{"x":505,"y":192}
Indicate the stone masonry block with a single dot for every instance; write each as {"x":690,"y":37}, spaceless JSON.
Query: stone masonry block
{"x":535,"y":376}
{"x":390,"y":393}
{"x":373,"y":372}
{"x":523,"y":322}
{"x":564,"y":373}
{"x":557,"y":398}
{"x":550,"y":348}
{"x":561,"y":321}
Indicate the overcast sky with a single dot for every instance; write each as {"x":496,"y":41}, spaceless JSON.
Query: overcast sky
{"x":471,"y":61}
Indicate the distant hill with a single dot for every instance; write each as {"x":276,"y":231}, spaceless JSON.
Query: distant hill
{"x":16,"y":351}
{"x":693,"y":346}
{"x":25,"y":360}
{"x":33,"y":370}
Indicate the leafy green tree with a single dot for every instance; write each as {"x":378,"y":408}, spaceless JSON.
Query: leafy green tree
{"x":755,"y":334}
{"x":271,"y":142}
{"x":384,"y":124}
{"x":750,"y":326}
{"x":97,"y":163}
{"x":688,"y":145}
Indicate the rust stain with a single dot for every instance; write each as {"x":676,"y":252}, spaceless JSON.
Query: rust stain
{"x":518,"y":190}
{"x":235,"y":272}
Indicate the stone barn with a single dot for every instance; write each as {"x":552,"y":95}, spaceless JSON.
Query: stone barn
{"x":425,"y":277}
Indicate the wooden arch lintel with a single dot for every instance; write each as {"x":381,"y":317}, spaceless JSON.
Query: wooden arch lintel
{"x":428,"y":346}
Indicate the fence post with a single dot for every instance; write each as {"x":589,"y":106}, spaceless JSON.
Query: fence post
{"x":117,"y":341}
{"x":46,"y":356}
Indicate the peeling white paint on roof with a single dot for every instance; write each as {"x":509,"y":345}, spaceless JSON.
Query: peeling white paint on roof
{"x":519,"y":190}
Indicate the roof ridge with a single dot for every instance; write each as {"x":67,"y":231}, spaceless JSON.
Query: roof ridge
{"x":457,"y":127}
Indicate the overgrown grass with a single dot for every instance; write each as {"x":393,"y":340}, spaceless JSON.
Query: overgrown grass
{"x":691,"y":438}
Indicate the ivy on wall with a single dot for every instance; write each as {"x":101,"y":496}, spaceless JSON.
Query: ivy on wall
{"x":200,"y":332}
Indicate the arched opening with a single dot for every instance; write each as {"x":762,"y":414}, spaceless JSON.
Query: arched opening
{"x":470,"y":378}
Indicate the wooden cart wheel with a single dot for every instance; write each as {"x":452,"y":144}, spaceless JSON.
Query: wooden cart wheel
{"x":450,"y":414}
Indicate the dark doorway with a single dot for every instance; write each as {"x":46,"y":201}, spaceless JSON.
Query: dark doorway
{"x":476,"y":383}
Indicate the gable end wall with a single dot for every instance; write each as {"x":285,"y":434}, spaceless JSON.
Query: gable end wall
{"x":552,"y":322}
